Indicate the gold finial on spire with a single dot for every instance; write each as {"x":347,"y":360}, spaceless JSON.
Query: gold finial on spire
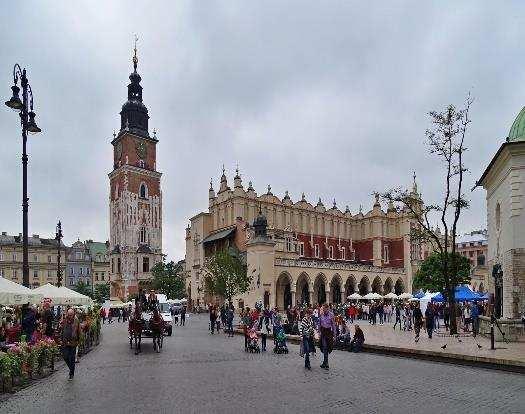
{"x":135,"y":58}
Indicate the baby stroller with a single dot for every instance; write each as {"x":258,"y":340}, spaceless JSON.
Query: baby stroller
{"x":280,"y":342}
{"x":253,"y":341}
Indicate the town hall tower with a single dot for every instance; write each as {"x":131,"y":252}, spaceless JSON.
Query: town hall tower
{"x":135,"y":199}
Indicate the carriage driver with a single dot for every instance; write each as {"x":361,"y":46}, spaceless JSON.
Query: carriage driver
{"x":142,"y":298}
{"x":152,"y":300}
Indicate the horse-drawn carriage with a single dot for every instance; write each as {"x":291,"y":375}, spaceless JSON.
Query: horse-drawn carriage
{"x":147,"y":324}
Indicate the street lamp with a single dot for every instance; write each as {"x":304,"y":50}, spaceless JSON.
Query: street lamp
{"x":27,"y":121}
{"x":58,"y":238}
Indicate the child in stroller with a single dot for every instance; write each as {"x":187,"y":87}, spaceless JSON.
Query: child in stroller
{"x":253,"y":341}
{"x":280,"y":341}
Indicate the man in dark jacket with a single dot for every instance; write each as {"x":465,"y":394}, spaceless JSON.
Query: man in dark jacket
{"x":418,"y":320}
{"x":29,"y":323}
{"x":70,"y":335}
{"x":48,"y":320}
{"x":429,"y":319}
{"x":398,"y":317}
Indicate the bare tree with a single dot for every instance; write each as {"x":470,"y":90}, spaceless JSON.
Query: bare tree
{"x":446,"y":140}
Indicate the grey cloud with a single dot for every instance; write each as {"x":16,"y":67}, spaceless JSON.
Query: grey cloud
{"x":330,"y":98}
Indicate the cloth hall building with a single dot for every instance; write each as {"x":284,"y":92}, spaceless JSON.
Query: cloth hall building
{"x":311,"y":253}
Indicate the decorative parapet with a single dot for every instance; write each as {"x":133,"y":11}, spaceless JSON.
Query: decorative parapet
{"x":333,"y":265}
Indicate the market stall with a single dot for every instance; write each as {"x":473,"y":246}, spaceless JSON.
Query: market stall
{"x":12,"y":293}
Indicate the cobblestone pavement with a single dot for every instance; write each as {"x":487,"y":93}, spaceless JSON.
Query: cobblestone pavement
{"x":198,"y":372}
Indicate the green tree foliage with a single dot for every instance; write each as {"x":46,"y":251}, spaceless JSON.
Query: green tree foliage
{"x":431,"y":274}
{"x":227,"y":276}
{"x":168,"y":278}
{"x":83,"y":288}
{"x":101,"y":292}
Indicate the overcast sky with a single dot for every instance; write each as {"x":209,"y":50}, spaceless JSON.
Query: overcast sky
{"x":329,"y":97}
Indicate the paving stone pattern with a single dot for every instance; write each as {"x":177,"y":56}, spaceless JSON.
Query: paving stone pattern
{"x":198,"y":372}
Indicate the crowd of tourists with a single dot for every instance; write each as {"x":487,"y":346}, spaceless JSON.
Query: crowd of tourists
{"x":320,"y":325}
{"x":331,"y":325}
{"x":120,"y":314}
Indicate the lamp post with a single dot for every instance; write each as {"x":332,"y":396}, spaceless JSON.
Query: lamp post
{"x":58,"y":238}
{"x":27,"y":121}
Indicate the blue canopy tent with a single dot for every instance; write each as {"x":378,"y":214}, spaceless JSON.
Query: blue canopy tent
{"x":419,"y":294}
{"x":461,"y":293}
{"x":483,"y":296}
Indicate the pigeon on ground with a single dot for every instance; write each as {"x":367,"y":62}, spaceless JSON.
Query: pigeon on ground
{"x":479,"y":346}
{"x":444,"y":346}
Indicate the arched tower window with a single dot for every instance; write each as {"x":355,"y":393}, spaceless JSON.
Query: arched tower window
{"x":142,"y":236}
{"x":143,"y":193}
{"x":498,"y":216}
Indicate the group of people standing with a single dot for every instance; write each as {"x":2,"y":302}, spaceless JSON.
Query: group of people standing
{"x":314,"y":325}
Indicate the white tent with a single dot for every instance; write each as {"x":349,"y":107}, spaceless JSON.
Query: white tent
{"x":424,"y":301}
{"x":75,"y":297}
{"x":405,"y":295}
{"x":12,"y":293}
{"x":372,"y":296}
{"x":391,"y":295}
{"x":53,"y":293}
{"x":355,"y":296}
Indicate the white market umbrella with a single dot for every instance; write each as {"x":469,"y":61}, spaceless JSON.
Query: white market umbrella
{"x":75,"y":297}
{"x":355,"y":296}
{"x":53,"y":293}
{"x":373,"y":296}
{"x":405,"y":295}
{"x":12,"y":293}
{"x":391,"y":295}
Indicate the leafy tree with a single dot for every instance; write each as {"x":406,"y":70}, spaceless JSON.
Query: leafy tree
{"x":168,"y":278}
{"x":430,"y":275}
{"x":83,"y":288}
{"x":446,"y":140}
{"x":227,"y":275}
{"x":101,"y":292}
{"x":132,"y":297}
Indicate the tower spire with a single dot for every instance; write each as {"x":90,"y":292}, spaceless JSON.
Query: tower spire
{"x":134,"y":114}
{"x":135,"y":58}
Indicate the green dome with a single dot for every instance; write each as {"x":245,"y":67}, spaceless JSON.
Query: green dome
{"x":517,"y":131}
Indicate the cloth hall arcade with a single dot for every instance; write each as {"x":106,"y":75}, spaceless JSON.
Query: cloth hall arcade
{"x":311,"y":253}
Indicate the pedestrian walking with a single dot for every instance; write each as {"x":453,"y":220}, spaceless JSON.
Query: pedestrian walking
{"x":429,"y":320}
{"x":213,"y":318}
{"x":306,"y":330}
{"x":398,"y":317}
{"x":246,"y":322}
{"x":103,"y":315}
{"x":418,"y":321}
{"x":326,"y":332}
{"x":70,"y":335}
{"x":446,"y":316}
{"x":381,"y":313}
{"x":48,"y":318}
{"x":229,"y":320}
{"x":183,"y":316}
{"x":474,"y":316}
